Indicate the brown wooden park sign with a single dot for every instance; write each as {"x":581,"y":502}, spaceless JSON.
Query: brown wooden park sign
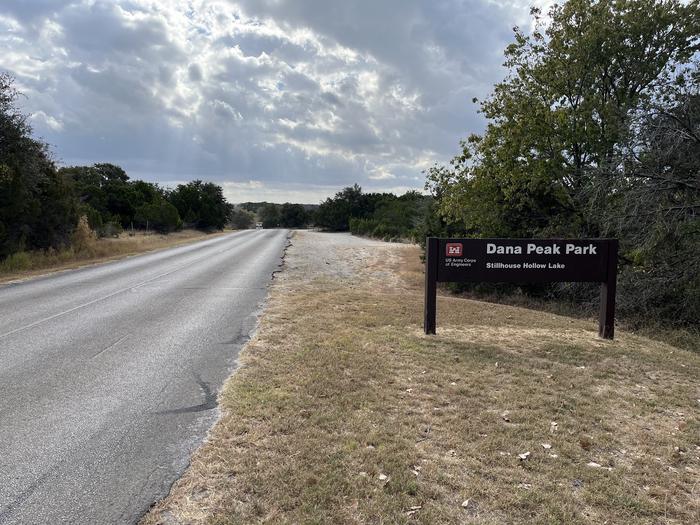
{"x":521,"y":261}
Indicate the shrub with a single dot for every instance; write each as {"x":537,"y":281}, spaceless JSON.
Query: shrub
{"x":160,"y":215}
{"x":242,"y":219}
{"x":110,"y":229}
{"x":84,"y":239}
{"x":18,"y":261}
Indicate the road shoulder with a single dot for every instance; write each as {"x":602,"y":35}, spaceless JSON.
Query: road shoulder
{"x":110,"y":250}
{"x":343,"y":411}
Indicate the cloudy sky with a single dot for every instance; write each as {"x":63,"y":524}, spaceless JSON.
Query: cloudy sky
{"x":283,"y":100}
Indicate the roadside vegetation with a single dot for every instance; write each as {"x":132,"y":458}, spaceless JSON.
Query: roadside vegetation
{"x":379,"y":215}
{"x":344,"y":412}
{"x":91,"y":250}
{"x":60,"y":217}
{"x":287,"y":215}
{"x":594,"y":132}
{"x":52,"y":216}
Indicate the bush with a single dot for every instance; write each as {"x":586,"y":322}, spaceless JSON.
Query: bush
{"x":111,"y":229}
{"x":18,"y":261}
{"x":93,"y":216}
{"x":242,"y":219}
{"x":293,"y":216}
{"x":162,"y":216}
{"x":84,"y":239}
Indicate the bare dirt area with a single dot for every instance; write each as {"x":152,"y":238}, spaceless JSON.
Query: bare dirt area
{"x":343,"y":411}
{"x":341,"y":258}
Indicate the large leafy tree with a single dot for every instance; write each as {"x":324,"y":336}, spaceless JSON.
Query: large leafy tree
{"x":654,"y":206}
{"x":37,"y":207}
{"x":293,"y":216}
{"x":593,"y":132}
{"x":562,"y":113}
{"x":201,"y":204}
{"x":334,"y":213}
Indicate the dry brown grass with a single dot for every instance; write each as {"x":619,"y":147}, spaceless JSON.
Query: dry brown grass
{"x":340,"y":388}
{"x":92,"y":251}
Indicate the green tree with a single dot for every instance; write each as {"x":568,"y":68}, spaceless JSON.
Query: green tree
{"x":269,"y":215}
{"x":159,"y":215}
{"x":293,"y":216}
{"x":37,"y":207}
{"x":242,"y":219}
{"x":108,"y":197}
{"x":88,"y":186}
{"x":562,"y":113}
{"x":201,"y":205}
{"x":573,"y":141}
{"x":334,"y":213}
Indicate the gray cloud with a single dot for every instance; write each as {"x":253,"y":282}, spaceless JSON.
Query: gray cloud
{"x":27,"y":12}
{"x":260,"y":95}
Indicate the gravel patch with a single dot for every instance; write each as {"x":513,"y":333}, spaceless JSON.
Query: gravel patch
{"x":333,"y":257}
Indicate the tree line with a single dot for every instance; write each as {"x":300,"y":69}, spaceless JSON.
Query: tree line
{"x":381,"y":215}
{"x":41,"y":205}
{"x":287,"y":215}
{"x":112,"y":202}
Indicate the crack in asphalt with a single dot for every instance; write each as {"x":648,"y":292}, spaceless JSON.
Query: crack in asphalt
{"x":8,"y":510}
{"x":112,"y":345}
{"x":210,"y":401}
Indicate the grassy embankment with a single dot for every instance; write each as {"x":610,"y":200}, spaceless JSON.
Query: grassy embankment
{"x":344,"y":412}
{"x":28,"y":264}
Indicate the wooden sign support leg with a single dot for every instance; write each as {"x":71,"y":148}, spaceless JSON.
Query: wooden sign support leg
{"x":606,"y":323}
{"x":431,"y":263}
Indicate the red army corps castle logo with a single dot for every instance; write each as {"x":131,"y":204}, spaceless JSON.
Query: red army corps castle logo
{"x":454,"y":249}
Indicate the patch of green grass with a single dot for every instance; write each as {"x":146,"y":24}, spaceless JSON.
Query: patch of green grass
{"x":16,"y":262}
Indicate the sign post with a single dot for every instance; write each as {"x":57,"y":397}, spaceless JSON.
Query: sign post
{"x":430,"y":310}
{"x":608,"y":289}
{"x":523,"y":260}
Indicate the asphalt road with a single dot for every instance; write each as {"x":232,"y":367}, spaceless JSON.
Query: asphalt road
{"x":109,"y":374}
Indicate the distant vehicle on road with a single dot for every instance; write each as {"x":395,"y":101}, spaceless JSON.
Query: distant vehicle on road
{"x":258,"y":225}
